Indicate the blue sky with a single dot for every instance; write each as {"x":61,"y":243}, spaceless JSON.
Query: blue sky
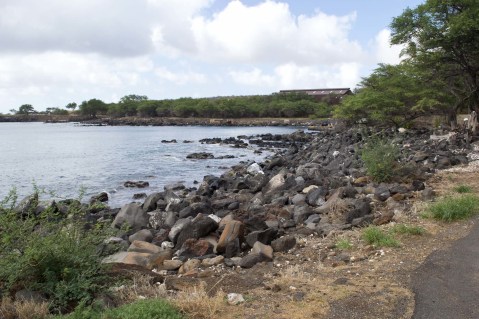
{"x":54,"y":52}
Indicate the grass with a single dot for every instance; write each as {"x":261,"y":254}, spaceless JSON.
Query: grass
{"x":375,"y":236}
{"x":23,"y":309}
{"x":462,"y":189}
{"x":455,"y":208}
{"x":343,"y":244}
{"x":198,"y":304}
{"x":143,"y":309}
{"x":408,"y":230}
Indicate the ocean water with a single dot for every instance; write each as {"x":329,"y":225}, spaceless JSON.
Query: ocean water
{"x":65,"y":160}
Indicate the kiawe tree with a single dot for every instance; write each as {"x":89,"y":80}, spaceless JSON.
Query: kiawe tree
{"x":26,"y":109}
{"x":71,"y":106}
{"x":443,"y":36}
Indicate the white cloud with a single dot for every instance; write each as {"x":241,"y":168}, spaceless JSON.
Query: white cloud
{"x":255,"y":77}
{"x":269,"y":32}
{"x":385,"y":52}
{"x":180,"y":78}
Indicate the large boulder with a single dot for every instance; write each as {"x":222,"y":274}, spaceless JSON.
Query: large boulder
{"x":150,"y":202}
{"x":132,"y":215}
{"x":199,"y":227}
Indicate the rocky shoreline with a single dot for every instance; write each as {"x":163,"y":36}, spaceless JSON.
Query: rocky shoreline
{"x":315,"y":184}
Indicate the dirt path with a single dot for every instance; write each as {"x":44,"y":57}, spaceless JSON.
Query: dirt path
{"x":447,"y":284}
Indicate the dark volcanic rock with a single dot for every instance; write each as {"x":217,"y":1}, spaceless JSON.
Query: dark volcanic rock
{"x":264,"y":236}
{"x":138,"y":184}
{"x":202,"y":155}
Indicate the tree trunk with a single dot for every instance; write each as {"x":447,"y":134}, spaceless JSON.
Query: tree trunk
{"x":472,"y":123}
{"x":452,"y":119}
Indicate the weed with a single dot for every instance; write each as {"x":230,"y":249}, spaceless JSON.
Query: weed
{"x":23,"y":309}
{"x":343,"y":244}
{"x":408,"y":230}
{"x":375,"y":236}
{"x":461,"y":189}
{"x":196,"y":302}
{"x":379,"y":157}
{"x":455,"y":208}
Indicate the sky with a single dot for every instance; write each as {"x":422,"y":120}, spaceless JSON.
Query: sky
{"x":53,"y":52}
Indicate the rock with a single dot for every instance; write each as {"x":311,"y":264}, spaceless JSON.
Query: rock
{"x":235,"y":299}
{"x":137,"y":184}
{"x":301,"y":213}
{"x":283,"y":244}
{"x":27,"y":205}
{"x":417,"y":185}
{"x":150,"y":202}
{"x":195,"y":248}
{"x":174,"y":187}
{"x":276,"y":183}
{"x":144,"y":247}
{"x":199,"y":227}
{"x":194,"y":209}
{"x":129,"y":258}
{"x":382,"y":193}
{"x":141,"y":235}
{"x":202,"y":155}
{"x":428,"y":194}
{"x":171,"y":141}
{"x":234,"y":231}
{"x":306,"y":190}
{"x":263,"y":236}
{"x":420,"y":156}
{"x":101,"y":197}
{"x":443,"y":163}
{"x":190,"y":265}
{"x":171,"y":264}
{"x":315,"y":218}
{"x":177,"y":228}
{"x":250,"y":260}
{"x":383,"y":218}
{"x":254,"y":169}
{"x":139,"y":195}
{"x":315,"y":196}
{"x":159,"y":219}
{"x":157,"y":260}
{"x":298,"y":199}
{"x":131,"y":214}
{"x":208,"y":262}
{"x":263,"y":250}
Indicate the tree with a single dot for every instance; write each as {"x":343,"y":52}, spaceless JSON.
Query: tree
{"x":26,"y":109}
{"x":443,"y":36}
{"x":133,"y":98}
{"x":13,"y":111}
{"x":71,"y":106}
{"x":93,"y":107}
{"x":394,"y":95}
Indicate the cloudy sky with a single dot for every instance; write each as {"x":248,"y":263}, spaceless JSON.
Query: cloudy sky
{"x":53,"y":52}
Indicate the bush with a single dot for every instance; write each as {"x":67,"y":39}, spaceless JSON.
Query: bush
{"x":463,"y":189}
{"x":343,"y":244}
{"x":455,"y":208}
{"x":408,"y":230}
{"x":143,"y":309}
{"x":373,"y":235}
{"x":51,"y":254}
{"x":379,"y":157}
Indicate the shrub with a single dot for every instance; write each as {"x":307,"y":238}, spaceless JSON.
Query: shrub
{"x":343,"y":244}
{"x":143,"y":309}
{"x":408,"y":230}
{"x":463,"y":189}
{"x":454,"y":208}
{"x":51,"y":254}
{"x":379,"y":157}
{"x":373,"y":235}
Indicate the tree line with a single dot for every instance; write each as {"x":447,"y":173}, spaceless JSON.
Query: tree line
{"x":278,"y":105}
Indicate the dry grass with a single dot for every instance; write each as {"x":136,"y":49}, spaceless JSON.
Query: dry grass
{"x":140,"y":288}
{"x":23,"y":310}
{"x":196,"y":303}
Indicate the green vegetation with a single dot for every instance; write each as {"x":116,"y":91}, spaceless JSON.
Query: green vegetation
{"x":379,"y":157}
{"x":455,"y":208}
{"x":375,"y":236}
{"x":343,"y":244}
{"x":461,"y":189}
{"x":50,"y":252}
{"x":408,"y":230}
{"x":143,"y":309}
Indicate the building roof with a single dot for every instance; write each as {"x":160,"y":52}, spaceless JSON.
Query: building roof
{"x":339,"y":91}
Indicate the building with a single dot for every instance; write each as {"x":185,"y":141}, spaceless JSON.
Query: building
{"x":330,"y":96}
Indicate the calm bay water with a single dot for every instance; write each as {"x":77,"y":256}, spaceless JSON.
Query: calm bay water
{"x":65,"y":158}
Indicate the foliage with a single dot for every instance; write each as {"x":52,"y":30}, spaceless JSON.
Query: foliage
{"x":408,"y":230}
{"x":373,"y":235}
{"x":380,"y":159}
{"x":143,"y":309}
{"x":26,"y":109}
{"x":394,"y":95}
{"x":93,"y":107}
{"x":454,"y":208}
{"x":443,"y":36}
{"x":343,"y":244}
{"x":56,"y":111}
{"x":463,"y":189}
{"x":71,"y":106}
{"x":50,"y":253}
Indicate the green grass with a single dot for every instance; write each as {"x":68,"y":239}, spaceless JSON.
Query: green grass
{"x":375,"y":236}
{"x":455,"y":208}
{"x":143,"y":309}
{"x":462,"y":189}
{"x":408,"y":230}
{"x":343,"y":244}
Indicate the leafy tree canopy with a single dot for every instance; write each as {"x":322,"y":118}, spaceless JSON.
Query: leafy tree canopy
{"x":26,"y":109}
